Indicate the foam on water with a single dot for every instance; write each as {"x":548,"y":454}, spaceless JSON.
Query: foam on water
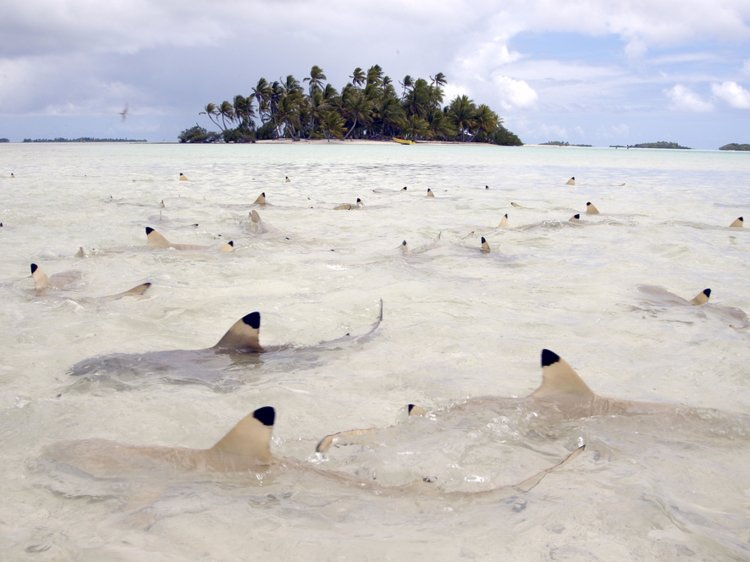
{"x":458,"y":324}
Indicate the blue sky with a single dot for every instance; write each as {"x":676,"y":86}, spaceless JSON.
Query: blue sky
{"x":597,"y":72}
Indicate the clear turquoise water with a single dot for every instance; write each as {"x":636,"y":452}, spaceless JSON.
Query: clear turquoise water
{"x":458,"y":324}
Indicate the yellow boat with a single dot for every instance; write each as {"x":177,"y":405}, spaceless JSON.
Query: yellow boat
{"x":402,"y":141}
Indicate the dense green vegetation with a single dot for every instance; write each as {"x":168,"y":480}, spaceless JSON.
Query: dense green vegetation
{"x":563,"y":143}
{"x":368,"y":107}
{"x":82,"y":139}
{"x":735,"y":146}
{"x":659,"y":144}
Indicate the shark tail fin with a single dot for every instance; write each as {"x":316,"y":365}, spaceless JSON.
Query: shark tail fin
{"x":243,"y":335}
{"x":533,"y":481}
{"x":255,"y":216}
{"x":156,"y":240}
{"x":739,"y":222}
{"x":41,"y":281}
{"x":329,"y":440}
{"x":702,"y":297}
{"x":251,"y":437}
{"x":559,"y":379}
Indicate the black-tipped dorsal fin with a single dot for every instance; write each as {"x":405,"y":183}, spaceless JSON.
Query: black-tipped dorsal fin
{"x":559,"y":379}
{"x":243,"y":335}
{"x":485,"y":248}
{"x":251,"y":437}
{"x":591,"y":209}
{"x":739,"y":222}
{"x":414,"y":410}
{"x":156,"y":240}
{"x":702,"y":297}
{"x":41,"y":281}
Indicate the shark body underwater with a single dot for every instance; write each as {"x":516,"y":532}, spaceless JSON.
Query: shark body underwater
{"x":222,"y":366}
{"x":632,"y":446}
{"x":242,"y":458}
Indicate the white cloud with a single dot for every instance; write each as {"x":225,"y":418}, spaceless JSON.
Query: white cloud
{"x":684,"y":99}
{"x":514,"y":93}
{"x":733,"y":94}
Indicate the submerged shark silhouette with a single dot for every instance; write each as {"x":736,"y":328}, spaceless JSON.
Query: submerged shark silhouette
{"x":43,"y":283}
{"x":562,"y":395}
{"x":245,"y":450}
{"x":239,"y":346}
{"x":659,"y":297}
{"x":157,"y":240}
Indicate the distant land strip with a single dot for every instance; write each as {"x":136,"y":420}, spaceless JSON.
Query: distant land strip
{"x":83,"y":139}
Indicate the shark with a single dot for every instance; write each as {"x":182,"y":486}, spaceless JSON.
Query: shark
{"x":44,"y":283}
{"x":562,"y":395}
{"x":656,"y":296}
{"x":349,"y":206}
{"x":244,"y":455}
{"x":156,"y":240}
{"x":216,"y":366}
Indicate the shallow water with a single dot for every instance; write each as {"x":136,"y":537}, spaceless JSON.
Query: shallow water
{"x":458,"y":324}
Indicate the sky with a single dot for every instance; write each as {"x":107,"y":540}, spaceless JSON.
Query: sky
{"x":597,"y":72}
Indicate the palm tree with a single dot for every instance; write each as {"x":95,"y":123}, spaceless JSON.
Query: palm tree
{"x":375,"y":75}
{"x":212,"y":113}
{"x":486,"y":122}
{"x":315,"y":79}
{"x":262,"y":93}
{"x":357,"y":108}
{"x":439,"y":80}
{"x":407,"y":84}
{"x":226,"y":112}
{"x":462,"y":113}
{"x":244,"y":112}
{"x":358,"y":77}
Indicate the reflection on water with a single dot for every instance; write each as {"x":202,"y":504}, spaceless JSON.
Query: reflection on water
{"x":458,"y":324}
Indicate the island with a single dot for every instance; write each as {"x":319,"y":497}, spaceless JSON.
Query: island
{"x":370,"y":106}
{"x":564,"y":143}
{"x":659,"y":144}
{"x":83,"y":139}
{"x":736,"y":146}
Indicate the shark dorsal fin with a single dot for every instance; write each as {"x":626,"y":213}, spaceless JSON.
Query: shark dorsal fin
{"x":156,"y":240}
{"x":702,"y":297}
{"x":559,"y":379}
{"x":254,"y":216}
{"x":591,"y":209}
{"x":228,"y":247}
{"x":430,"y":193}
{"x":414,"y":410}
{"x":485,"y":248}
{"x":739,"y":222}
{"x":504,"y":221}
{"x":404,"y":247}
{"x":137,"y":290}
{"x":261,"y":199}
{"x":41,"y":281}
{"x":251,"y":437}
{"x":243,"y":335}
